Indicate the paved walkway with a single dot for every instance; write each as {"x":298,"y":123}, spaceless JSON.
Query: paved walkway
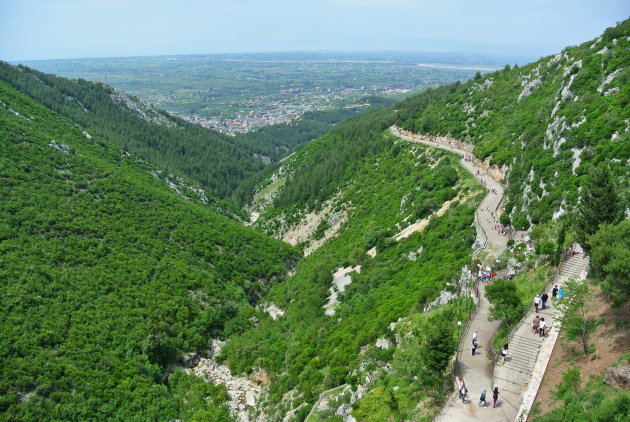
{"x":520,"y":377}
{"x":475,"y":370}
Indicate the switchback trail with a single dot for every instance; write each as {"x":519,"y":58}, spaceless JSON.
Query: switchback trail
{"x":475,"y":370}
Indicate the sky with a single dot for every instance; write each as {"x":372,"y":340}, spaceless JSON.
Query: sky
{"x":57,"y":29}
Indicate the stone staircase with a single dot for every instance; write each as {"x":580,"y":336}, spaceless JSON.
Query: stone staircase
{"x":514,"y":377}
{"x":524,"y":345}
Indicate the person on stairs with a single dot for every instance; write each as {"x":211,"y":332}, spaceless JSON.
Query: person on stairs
{"x":541,"y":327}
{"x":536,"y":303}
{"x":544,"y":299}
{"x":535,"y":324}
{"x":504,"y":353}
{"x":475,"y":343}
{"x":495,"y":396}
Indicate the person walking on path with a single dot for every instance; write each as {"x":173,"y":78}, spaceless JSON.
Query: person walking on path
{"x":504,"y":353}
{"x":475,"y":343}
{"x":462,"y":391}
{"x":535,"y":324}
{"x":541,"y":327}
{"x":554,"y":292}
{"x":544,"y":299}
{"x":482,"y":399}
{"x":495,"y":396}
{"x":560,"y":293}
{"x":536,"y":302}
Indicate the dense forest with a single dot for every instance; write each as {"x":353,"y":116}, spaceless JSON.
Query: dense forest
{"x":219,"y":163}
{"x":108,"y":276}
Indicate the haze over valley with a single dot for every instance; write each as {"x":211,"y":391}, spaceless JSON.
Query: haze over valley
{"x":292,"y":211}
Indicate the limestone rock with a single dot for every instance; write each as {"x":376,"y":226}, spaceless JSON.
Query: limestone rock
{"x":618,"y":377}
{"x":250,"y":398}
{"x":384,"y":343}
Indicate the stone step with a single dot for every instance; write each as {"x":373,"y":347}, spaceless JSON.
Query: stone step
{"x":522,"y":364}
{"x":573,"y":270}
{"x":519,"y":366}
{"x":533,"y":340}
{"x":521,"y":349}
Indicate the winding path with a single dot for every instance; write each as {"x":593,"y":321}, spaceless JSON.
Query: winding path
{"x":475,"y":370}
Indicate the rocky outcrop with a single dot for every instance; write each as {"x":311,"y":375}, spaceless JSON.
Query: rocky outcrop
{"x":341,"y":280}
{"x":618,"y":377}
{"x":244,"y":393}
{"x":61,"y":147}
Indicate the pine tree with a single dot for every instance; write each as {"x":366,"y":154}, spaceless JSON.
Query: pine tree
{"x":439,"y":346}
{"x":600,"y":204}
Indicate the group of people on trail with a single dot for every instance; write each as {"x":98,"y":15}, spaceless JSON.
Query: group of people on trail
{"x":486,"y":276}
{"x":468,"y":157}
{"x":539,"y":326}
{"x":541,"y":300}
{"x":463,"y":391}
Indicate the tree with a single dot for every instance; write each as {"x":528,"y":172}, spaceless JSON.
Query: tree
{"x":574,"y":307}
{"x":505,"y":302}
{"x":610,"y":259}
{"x":560,"y":243}
{"x":439,"y":345}
{"x":600,"y":204}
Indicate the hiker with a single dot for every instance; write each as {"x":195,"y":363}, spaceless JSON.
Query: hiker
{"x":560,"y":293}
{"x":504,"y":353}
{"x":536,"y":302}
{"x":495,"y":396}
{"x":462,"y":391}
{"x":535,"y":324}
{"x":475,"y":343}
{"x":544,"y":299}
{"x":482,"y":399}
{"x":541,"y":327}
{"x":554,"y":292}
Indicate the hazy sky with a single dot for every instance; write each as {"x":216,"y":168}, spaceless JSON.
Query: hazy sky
{"x":45,"y":29}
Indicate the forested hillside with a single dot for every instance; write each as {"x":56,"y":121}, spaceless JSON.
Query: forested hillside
{"x":219,"y":163}
{"x":370,"y":186}
{"x":108,"y":276}
{"x":544,"y":124}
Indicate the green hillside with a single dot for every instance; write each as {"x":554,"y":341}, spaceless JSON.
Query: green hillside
{"x":219,"y":163}
{"x":108,"y":276}
{"x":214,"y":160}
{"x":544,"y":124}
{"x":376,"y":186}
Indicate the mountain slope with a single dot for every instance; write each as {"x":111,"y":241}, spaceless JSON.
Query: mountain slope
{"x":365,"y":186}
{"x":544,"y":124}
{"x":108,"y":276}
{"x":214,"y":160}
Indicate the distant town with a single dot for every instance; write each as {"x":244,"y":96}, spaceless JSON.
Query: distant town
{"x":237,"y":93}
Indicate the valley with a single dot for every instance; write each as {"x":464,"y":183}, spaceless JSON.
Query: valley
{"x":238,"y":93}
{"x":324,"y":269}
